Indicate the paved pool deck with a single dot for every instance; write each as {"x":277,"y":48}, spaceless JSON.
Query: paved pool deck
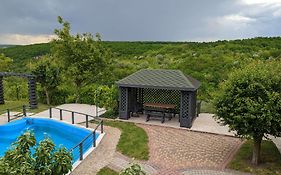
{"x":82,"y":108}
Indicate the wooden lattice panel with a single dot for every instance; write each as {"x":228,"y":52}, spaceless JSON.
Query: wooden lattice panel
{"x":123,"y":99}
{"x":32,"y":92}
{"x":162,"y":96}
{"x":184,"y":103}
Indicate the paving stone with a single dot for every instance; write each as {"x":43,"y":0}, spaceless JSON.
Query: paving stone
{"x":179,"y":149}
{"x":212,"y":172}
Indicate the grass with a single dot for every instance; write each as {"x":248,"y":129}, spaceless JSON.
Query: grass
{"x":270,"y":159}
{"x":133,"y":141}
{"x":107,"y":171}
{"x":15,"y":104}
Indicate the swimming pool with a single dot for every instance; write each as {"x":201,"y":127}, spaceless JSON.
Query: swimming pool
{"x":60,"y":133}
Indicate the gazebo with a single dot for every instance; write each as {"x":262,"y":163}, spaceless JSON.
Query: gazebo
{"x":161,"y":86}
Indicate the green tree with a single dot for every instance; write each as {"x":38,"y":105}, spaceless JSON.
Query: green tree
{"x":250,"y":102}
{"x":46,"y":160}
{"x":47,"y":74}
{"x":5,"y":63}
{"x":84,"y":57}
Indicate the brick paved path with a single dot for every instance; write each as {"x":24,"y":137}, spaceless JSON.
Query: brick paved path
{"x":172,"y":152}
{"x":181,"y":149}
{"x":212,"y":172}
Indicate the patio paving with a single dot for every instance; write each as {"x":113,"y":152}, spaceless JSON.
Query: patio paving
{"x":181,"y":149}
{"x":199,"y":154}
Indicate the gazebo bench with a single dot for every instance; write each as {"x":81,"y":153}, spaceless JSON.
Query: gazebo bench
{"x":157,"y":114}
{"x":158,"y":110}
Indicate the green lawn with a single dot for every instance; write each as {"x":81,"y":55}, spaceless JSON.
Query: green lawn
{"x":107,"y":171}
{"x":133,"y":141}
{"x":270,"y":159}
{"x":15,"y":104}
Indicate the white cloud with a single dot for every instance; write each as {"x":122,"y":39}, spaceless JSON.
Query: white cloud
{"x":265,"y":2}
{"x":21,"y":39}
{"x":238,"y":18}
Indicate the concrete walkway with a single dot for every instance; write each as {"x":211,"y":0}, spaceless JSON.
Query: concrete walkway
{"x":102,"y":155}
{"x":83,"y":108}
{"x":203,"y":123}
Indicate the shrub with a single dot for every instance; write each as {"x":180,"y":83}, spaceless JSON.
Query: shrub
{"x":46,"y":160}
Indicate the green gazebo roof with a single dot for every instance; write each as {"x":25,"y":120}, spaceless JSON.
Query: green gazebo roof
{"x":160,"y":79}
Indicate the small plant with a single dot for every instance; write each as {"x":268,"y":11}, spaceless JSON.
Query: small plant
{"x":134,"y":169}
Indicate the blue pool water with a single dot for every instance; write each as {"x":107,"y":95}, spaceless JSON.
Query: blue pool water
{"x":62,"y":134}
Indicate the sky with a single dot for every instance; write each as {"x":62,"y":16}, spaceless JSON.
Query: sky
{"x":34,"y":21}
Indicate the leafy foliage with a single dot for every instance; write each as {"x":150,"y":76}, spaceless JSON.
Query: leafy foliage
{"x":250,"y":102}
{"x":47,"y":73}
{"x":46,"y":160}
{"x":5,"y":63}
{"x":100,"y":94}
{"x":134,"y":169}
{"x":83,"y":56}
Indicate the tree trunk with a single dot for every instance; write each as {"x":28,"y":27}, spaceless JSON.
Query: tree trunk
{"x":78,"y":89}
{"x":256,"y":150}
{"x":47,"y":96}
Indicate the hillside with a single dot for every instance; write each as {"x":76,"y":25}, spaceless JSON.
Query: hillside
{"x":208,"y":62}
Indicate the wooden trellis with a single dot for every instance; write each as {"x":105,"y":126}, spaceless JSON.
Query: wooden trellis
{"x":31,"y":87}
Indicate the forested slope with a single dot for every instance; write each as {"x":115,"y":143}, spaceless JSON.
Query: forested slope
{"x":209,"y":62}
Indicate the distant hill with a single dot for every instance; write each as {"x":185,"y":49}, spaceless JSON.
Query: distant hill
{"x":209,"y":62}
{"x":22,"y":55}
{"x":6,"y":45}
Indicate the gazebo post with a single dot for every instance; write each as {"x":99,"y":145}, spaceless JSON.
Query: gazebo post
{"x":32,"y":92}
{"x":1,"y":91}
{"x":192,"y":105}
{"x":185,"y":119}
{"x":123,"y":103}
